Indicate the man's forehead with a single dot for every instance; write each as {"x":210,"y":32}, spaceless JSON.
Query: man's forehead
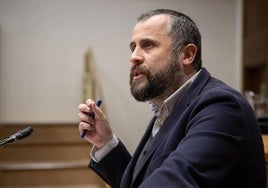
{"x":154,"y":25}
{"x":157,"y":21}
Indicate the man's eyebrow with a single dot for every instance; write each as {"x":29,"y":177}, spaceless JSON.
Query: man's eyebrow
{"x":132,"y":43}
{"x":143,"y":40}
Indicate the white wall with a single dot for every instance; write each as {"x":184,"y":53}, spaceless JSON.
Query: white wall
{"x":42,"y":44}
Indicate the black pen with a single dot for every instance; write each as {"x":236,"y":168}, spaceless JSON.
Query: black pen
{"x":98,"y":103}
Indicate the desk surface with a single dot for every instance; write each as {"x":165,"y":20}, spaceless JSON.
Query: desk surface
{"x":265,"y":142}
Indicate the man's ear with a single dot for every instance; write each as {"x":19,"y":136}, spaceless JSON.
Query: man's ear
{"x":189,"y":52}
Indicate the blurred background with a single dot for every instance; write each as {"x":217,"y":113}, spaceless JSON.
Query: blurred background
{"x":43,"y":45}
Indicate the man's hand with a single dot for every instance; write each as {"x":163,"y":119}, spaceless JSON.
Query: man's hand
{"x":99,"y":131}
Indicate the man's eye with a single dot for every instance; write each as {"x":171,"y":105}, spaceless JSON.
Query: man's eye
{"x":132,"y":48}
{"x":148,"y":45}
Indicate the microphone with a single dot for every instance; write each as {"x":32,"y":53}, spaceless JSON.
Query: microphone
{"x":17,"y":136}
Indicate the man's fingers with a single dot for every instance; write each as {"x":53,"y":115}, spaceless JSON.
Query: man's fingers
{"x":83,"y":108}
{"x":84,"y":126}
{"x":86,"y":118}
{"x":89,"y":102}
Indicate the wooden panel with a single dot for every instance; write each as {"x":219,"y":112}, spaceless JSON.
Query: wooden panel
{"x":54,"y":155}
{"x":265,"y":142}
{"x":45,"y":134}
{"x":255,"y":76}
{"x":254,"y":16}
{"x":44,"y":165}
{"x":45,"y":152}
{"x":49,"y":177}
{"x":255,"y":44}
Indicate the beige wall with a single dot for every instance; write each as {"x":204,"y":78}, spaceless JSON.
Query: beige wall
{"x":42,"y":43}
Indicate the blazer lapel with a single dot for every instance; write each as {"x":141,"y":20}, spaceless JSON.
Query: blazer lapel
{"x":160,"y":137}
{"x":127,"y":177}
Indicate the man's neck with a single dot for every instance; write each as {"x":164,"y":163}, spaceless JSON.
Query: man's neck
{"x":159,"y":101}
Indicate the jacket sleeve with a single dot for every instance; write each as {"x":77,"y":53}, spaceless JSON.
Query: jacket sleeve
{"x":113,"y":165}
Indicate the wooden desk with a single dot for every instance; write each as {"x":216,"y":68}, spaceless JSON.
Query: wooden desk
{"x":265,"y":142}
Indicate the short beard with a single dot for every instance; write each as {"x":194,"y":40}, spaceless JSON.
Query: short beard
{"x":160,"y":85}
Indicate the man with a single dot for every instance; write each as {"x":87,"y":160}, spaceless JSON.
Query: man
{"x":203,"y":134}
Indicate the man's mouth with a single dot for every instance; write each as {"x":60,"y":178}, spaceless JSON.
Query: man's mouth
{"x":137,"y":73}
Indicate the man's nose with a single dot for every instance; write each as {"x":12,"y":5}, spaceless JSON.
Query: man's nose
{"x":136,"y":57}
